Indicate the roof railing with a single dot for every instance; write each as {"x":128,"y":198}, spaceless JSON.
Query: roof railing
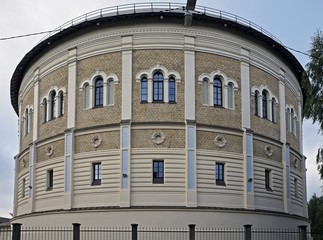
{"x":158,"y":7}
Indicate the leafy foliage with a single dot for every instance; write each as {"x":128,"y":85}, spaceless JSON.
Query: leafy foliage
{"x":313,"y":85}
{"x":315,"y":213}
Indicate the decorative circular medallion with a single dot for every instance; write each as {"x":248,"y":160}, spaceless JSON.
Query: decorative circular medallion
{"x":96,"y":141}
{"x":220,"y":141}
{"x":23,"y":162}
{"x":158,"y":138}
{"x":49,"y":150}
{"x":268,"y":150}
{"x":295,"y":162}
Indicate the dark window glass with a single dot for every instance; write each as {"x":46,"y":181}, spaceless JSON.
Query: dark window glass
{"x":158,"y":171}
{"x":52,"y":105}
{"x":158,"y":87}
{"x":267,"y":180}
{"x":50,"y":180}
{"x":217,"y":92}
{"x":264,"y":105}
{"x":172,"y":90}
{"x":219,"y":174}
{"x":144,"y":89}
{"x":256,"y":103}
{"x":45,"y":110}
{"x":61,"y":104}
{"x":99,"y":92}
{"x":273,"y":103}
{"x":96,"y":174}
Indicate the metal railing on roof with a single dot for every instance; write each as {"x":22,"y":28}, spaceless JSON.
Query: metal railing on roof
{"x":158,"y":7}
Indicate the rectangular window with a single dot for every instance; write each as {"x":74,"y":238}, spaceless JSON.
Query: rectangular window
{"x":268,"y":180}
{"x":172,"y":90}
{"x":50,"y":180}
{"x":23,"y":188}
{"x":158,"y":171}
{"x":219,"y":174}
{"x":96,"y":174}
{"x":144,"y":90}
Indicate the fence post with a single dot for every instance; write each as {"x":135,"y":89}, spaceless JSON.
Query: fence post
{"x":76,"y":231}
{"x":134,"y":231}
{"x":247,"y":231}
{"x":192,"y":231}
{"x":16,"y":231}
{"x":302,"y":232}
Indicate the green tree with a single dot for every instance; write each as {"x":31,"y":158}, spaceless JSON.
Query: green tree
{"x":315,"y":214}
{"x":313,"y":85}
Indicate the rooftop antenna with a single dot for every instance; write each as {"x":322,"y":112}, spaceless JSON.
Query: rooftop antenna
{"x":188,"y":17}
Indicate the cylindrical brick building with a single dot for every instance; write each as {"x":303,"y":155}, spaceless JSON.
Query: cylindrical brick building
{"x":128,"y":116}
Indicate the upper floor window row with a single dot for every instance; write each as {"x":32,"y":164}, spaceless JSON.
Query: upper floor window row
{"x":53,"y":104}
{"x":99,"y":91}
{"x":291,"y":119}
{"x":27,"y":119}
{"x":158,"y":85}
{"x":265,"y":103}
{"x":218,"y":90}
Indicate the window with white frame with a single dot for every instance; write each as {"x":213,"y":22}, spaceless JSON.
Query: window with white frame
{"x":158,"y":85}
{"x":27,"y":120}
{"x":217,"y":89}
{"x":219,"y":174}
{"x":96,"y":173}
{"x":291,"y":119}
{"x":264,"y":103}
{"x":44,"y":105}
{"x":60,"y":104}
{"x":52,"y":105}
{"x":99,"y":91}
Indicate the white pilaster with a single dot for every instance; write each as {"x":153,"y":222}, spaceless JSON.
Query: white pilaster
{"x":245,"y":88}
{"x":305,"y":212}
{"x":31,"y":185}
{"x":69,"y":152}
{"x":248,"y":166}
{"x":282,"y":104}
{"x":15,"y":198}
{"x":72,"y":74}
{"x":125,"y":127}
{"x":189,"y":72}
{"x":300,"y":124}
{"x":126,"y":77}
{"x":36,"y":105}
{"x":20,"y":123}
{"x":286,"y":175}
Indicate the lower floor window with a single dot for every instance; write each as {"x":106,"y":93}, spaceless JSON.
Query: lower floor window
{"x":268,"y":180}
{"x":50,"y":180}
{"x":219,"y":174}
{"x":96,"y":174}
{"x":158,"y":171}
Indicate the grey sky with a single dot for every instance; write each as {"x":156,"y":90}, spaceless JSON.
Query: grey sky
{"x":293,"y":22}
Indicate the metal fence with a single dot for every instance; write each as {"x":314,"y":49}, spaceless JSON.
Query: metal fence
{"x":18,"y":232}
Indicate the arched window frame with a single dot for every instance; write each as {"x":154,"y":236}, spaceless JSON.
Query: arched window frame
{"x":167,"y":75}
{"x":217,"y":92}
{"x":171,"y":89}
{"x":98,"y":92}
{"x":52,"y":105}
{"x":26,"y":122}
{"x":158,"y":87}
{"x":265,"y":103}
{"x":87,"y":87}
{"x":207,"y":82}
{"x":271,"y":102}
{"x":144,"y":89}
{"x":45,"y":110}
{"x":60,"y":104}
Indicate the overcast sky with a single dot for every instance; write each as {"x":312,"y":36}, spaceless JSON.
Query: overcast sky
{"x":293,"y":22}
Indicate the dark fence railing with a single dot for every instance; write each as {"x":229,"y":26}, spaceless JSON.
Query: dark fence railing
{"x":77,"y":232}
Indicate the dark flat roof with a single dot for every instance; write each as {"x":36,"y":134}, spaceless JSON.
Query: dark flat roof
{"x":170,"y":11}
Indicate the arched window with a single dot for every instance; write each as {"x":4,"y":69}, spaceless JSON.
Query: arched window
{"x":171,"y":90}
{"x":86,"y":95}
{"x":98,"y":92}
{"x":44,"y":110}
{"x":110,"y":92}
{"x":288,"y":124}
{"x":264,"y":104}
{"x":60,"y":103}
{"x":273,"y":110}
{"x":26,"y":124}
{"x":144,"y":89}
{"x":205,"y":92}
{"x":158,"y":87}
{"x":230,"y":95}
{"x":217,"y":92}
{"x":292,"y":121}
{"x":52,"y":102}
{"x":256,"y":103}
